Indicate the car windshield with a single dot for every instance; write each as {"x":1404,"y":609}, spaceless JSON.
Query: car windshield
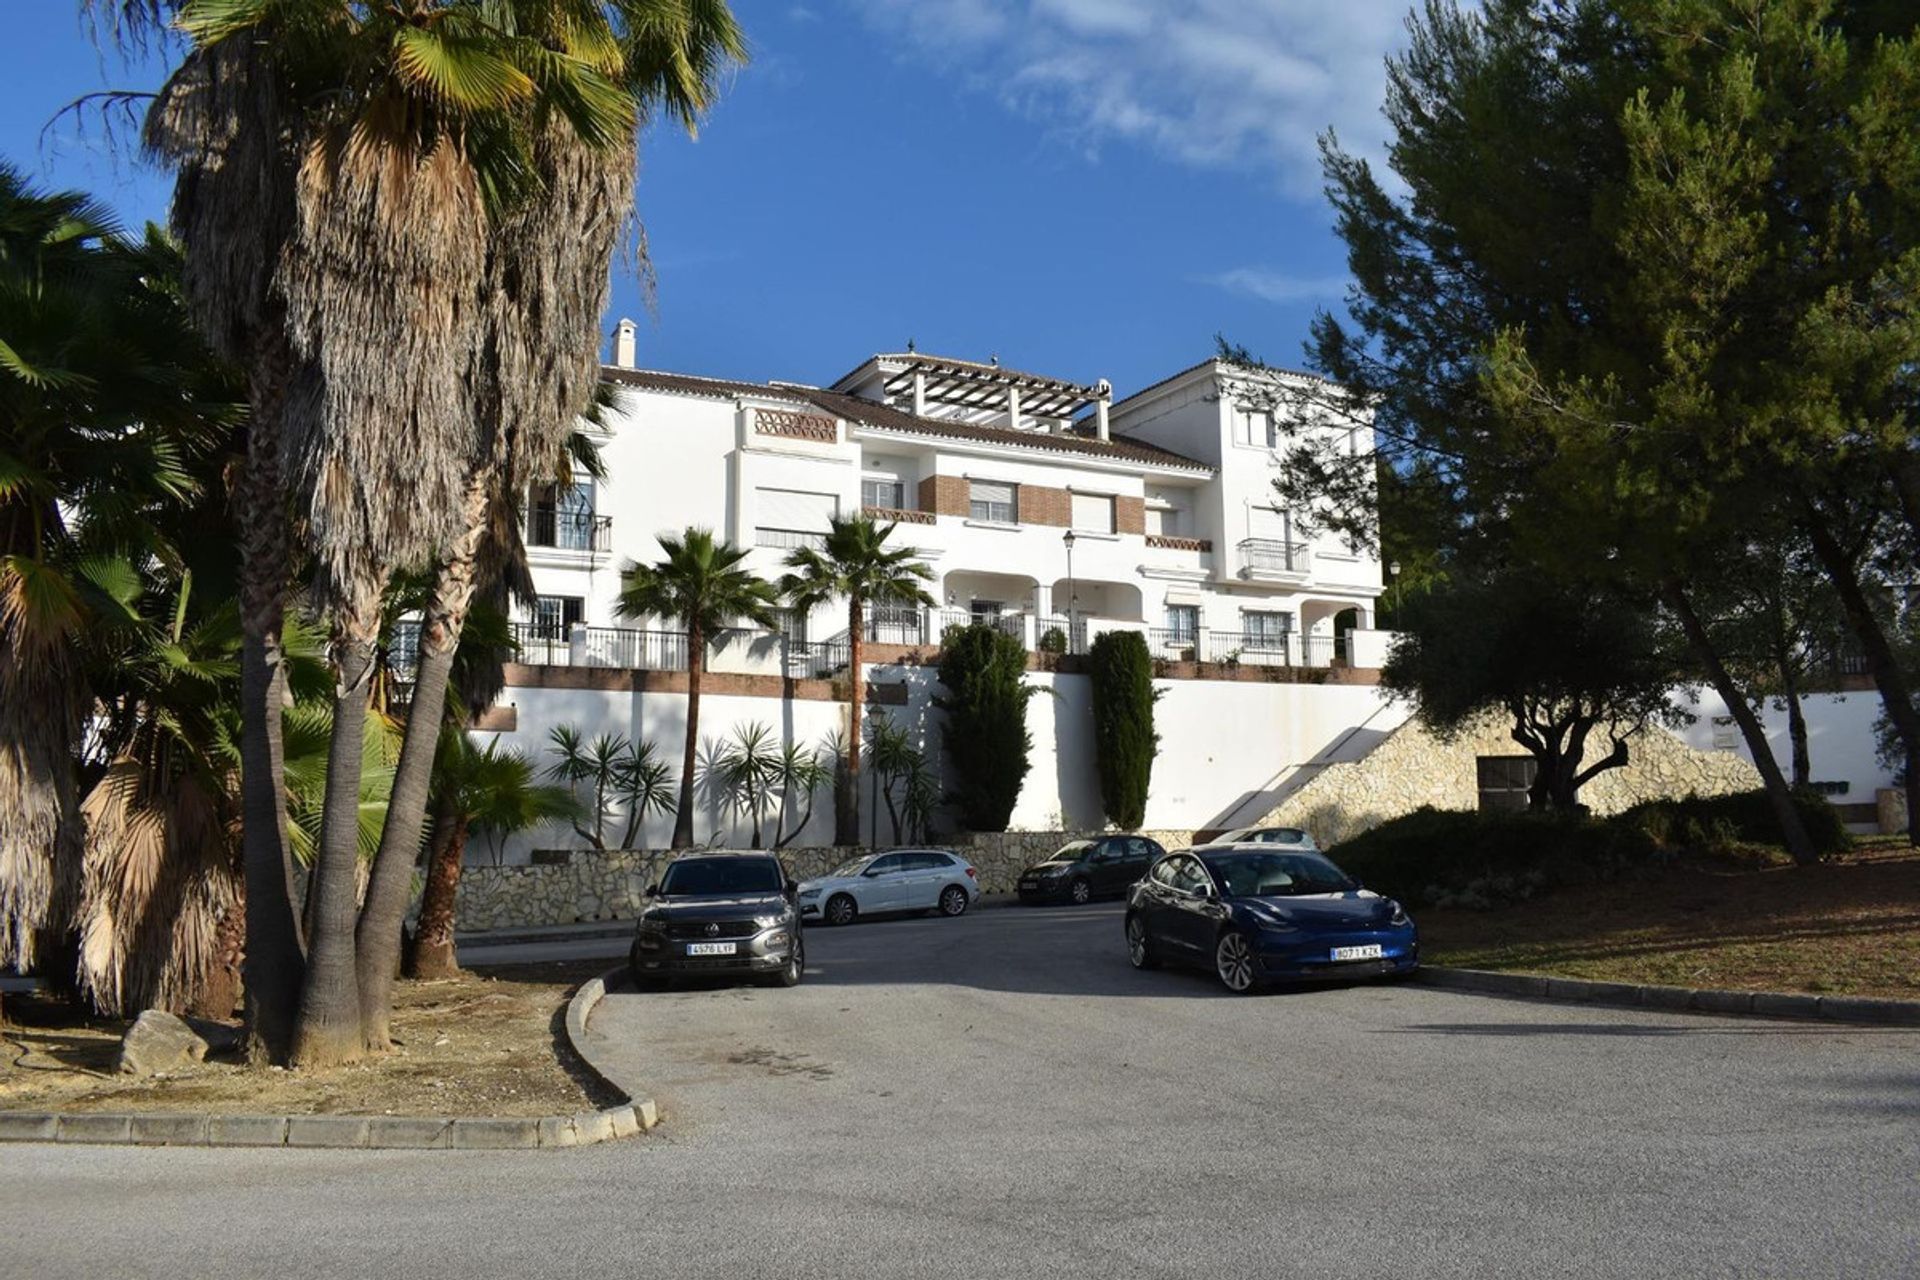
{"x":1072,"y":852}
{"x":1275,"y":835}
{"x":852,"y":868}
{"x":1262,"y":875}
{"x":722,"y":877}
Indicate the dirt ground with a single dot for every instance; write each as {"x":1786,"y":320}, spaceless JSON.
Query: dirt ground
{"x":480,"y":1044}
{"x":1850,"y":926}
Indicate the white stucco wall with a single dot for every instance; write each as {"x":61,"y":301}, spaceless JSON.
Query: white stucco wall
{"x":1228,"y":749}
{"x":1840,"y":743}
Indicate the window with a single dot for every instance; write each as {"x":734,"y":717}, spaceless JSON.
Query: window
{"x":889,"y":494}
{"x":992,"y":501}
{"x":554,"y":616}
{"x":792,"y":626}
{"x":1253,"y":427}
{"x":887,"y":865}
{"x":1183,"y":623}
{"x":1165,"y":870}
{"x":1267,"y":631}
{"x":1166,"y":522}
{"x":984,"y":610}
{"x":1093,"y":513}
{"x":792,"y":518}
{"x":1505,"y":780}
{"x":1190,"y":877}
{"x":562,"y":516}
{"x":931,"y":861}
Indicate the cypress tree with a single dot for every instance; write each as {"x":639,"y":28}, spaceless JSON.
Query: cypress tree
{"x":985,"y":733}
{"x":1124,"y":742}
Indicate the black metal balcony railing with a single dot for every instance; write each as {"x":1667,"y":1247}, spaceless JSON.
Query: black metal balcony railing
{"x":1271,"y":556}
{"x":1060,"y":635}
{"x":1172,"y":642}
{"x":569,"y":530}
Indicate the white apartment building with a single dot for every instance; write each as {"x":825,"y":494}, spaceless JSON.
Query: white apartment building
{"x":1040,"y":503}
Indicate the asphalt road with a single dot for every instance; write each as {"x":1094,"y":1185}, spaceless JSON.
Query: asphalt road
{"x":1002,"y":1095}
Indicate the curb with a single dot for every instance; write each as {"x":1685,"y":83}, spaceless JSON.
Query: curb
{"x":1863,"y":1010}
{"x":381,"y":1133}
{"x":587,"y":1045}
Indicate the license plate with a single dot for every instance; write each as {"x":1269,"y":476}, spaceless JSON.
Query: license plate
{"x":1357,"y":953}
{"x":728,"y":948}
{"x":1028,"y":884}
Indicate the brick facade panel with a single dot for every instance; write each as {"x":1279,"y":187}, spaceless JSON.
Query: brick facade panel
{"x":944,"y":495}
{"x":1041,"y":505}
{"x":1129,"y":515}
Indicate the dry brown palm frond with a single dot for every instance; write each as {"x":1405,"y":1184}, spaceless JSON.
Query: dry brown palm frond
{"x":379,"y":280}
{"x":160,"y":878}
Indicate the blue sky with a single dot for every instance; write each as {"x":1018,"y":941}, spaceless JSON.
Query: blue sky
{"x":1085,"y":188}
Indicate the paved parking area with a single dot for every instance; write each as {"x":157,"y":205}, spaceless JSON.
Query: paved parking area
{"x":1002,"y":1095}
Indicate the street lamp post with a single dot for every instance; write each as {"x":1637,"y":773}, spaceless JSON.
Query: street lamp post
{"x":1068,"y":539}
{"x":1393,"y":576}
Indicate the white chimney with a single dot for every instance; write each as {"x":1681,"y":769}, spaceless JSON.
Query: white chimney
{"x":623,"y":339}
{"x":1100,"y":408}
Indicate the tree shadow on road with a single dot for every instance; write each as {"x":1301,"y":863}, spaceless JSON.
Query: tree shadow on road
{"x":1654,"y":1030}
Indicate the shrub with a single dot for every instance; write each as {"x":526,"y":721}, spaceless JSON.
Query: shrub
{"x":1713,"y":823}
{"x":1124,"y":742}
{"x":985,"y":735}
{"x":1437,"y":858}
{"x":1054,"y":640}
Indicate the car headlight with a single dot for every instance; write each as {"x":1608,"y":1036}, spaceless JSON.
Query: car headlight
{"x":808,"y":895}
{"x":650,"y":923}
{"x":776,"y":939}
{"x":1272,"y":921}
{"x":767,"y":922}
{"x":1399,"y":919}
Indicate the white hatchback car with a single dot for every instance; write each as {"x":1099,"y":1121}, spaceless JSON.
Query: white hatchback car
{"x":897,"y":880}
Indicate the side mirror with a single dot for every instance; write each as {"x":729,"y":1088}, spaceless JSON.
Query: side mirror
{"x":871,"y":872}
{"x":653,"y":890}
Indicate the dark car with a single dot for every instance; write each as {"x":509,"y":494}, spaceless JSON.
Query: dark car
{"x":1254,"y":913}
{"x":719,"y":913}
{"x":1088,"y":869}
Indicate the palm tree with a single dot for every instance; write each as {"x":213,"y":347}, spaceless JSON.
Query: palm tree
{"x":699,"y":583}
{"x":800,"y":773}
{"x":373,"y":160}
{"x":490,"y":789}
{"x":107,"y":402}
{"x":750,"y":772}
{"x":856,"y":564}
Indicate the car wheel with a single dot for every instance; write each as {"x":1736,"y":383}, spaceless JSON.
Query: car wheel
{"x":1081,"y":892}
{"x":1233,"y":962}
{"x":796,"y":966}
{"x":1139,"y":946}
{"x":841,"y":909}
{"x":953,"y":901}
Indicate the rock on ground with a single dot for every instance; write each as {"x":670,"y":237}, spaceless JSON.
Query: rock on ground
{"x":158,"y":1042}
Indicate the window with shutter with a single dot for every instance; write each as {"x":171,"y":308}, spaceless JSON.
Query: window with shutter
{"x":793,"y":517}
{"x":1093,"y":513}
{"x":992,"y":500}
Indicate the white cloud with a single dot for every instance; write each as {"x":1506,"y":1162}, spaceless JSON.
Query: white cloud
{"x":1278,"y":286}
{"x":1248,"y":84}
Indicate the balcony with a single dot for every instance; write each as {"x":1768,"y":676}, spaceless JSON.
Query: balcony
{"x":550,"y":528}
{"x":896,"y":515}
{"x":1270,"y":560}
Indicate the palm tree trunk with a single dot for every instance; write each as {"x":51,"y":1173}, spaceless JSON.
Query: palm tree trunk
{"x":846,"y":807}
{"x":696,"y":660}
{"x":328,"y":1030}
{"x":274,"y":958}
{"x":390,"y":890}
{"x":1792,"y":831}
{"x":432,"y":954}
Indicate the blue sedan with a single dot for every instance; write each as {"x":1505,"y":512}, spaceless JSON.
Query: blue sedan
{"x":1252,"y":913}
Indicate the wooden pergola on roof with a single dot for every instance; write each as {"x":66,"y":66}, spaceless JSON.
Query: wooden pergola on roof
{"x":924,"y":380}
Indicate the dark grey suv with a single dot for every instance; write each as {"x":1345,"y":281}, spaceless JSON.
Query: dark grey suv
{"x":720,"y":913}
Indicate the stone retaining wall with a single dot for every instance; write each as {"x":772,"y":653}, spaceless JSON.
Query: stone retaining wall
{"x":613,"y":886}
{"x":1411,"y":768}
